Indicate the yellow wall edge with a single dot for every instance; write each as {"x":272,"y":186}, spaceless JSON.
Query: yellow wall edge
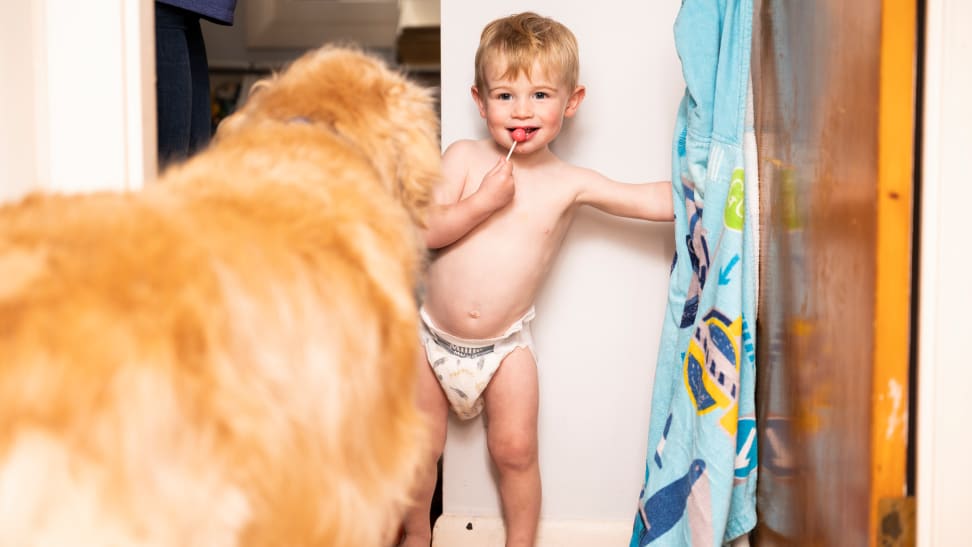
{"x":896,"y":129}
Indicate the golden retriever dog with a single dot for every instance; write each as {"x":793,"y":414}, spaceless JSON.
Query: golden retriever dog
{"x":226,"y":357}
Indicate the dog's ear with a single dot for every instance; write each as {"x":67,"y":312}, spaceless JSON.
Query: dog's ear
{"x":239,"y":118}
{"x":390,"y":119}
{"x":417,"y":148}
{"x":260,"y":85}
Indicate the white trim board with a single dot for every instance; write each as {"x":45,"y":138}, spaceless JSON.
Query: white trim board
{"x":453,"y":530}
{"x":944,"y":489}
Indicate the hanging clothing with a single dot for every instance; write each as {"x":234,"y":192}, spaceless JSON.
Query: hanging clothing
{"x":700,"y":475}
{"x":220,"y":12}
{"x":182,"y":95}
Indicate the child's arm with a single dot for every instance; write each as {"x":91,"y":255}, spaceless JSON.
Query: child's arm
{"x":452,"y":217}
{"x":646,"y":201}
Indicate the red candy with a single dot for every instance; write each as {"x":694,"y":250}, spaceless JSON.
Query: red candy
{"x":519,"y":134}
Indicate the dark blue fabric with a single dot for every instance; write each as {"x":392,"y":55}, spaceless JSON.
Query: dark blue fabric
{"x":182,"y":84}
{"x":217,"y":11}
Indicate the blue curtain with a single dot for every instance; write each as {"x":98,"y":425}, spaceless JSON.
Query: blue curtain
{"x":700,"y":475}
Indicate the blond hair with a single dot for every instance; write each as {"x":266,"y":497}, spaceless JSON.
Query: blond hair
{"x":522,"y":39}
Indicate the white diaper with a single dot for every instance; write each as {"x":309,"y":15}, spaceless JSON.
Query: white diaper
{"x":465,"y":367}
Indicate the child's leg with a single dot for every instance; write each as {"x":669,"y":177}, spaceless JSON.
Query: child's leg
{"x":511,"y":434}
{"x":431,"y":399}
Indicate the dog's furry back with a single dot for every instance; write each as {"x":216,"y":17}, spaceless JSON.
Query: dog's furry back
{"x":228,"y":356}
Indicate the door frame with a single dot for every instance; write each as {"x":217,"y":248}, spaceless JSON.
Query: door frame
{"x":943,"y":485}
{"x":80,"y":97}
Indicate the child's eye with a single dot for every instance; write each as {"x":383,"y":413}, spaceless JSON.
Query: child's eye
{"x":504,"y":96}
{"x":540,"y":95}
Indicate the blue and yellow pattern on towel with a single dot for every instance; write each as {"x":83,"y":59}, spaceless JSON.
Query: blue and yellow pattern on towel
{"x":700,"y":475}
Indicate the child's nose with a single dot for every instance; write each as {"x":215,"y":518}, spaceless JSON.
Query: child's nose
{"x":522,"y":108}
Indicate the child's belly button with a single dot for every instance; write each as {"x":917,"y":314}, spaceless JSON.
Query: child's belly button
{"x":474,"y":314}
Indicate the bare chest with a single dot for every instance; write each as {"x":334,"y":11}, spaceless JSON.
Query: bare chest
{"x":539,"y":214}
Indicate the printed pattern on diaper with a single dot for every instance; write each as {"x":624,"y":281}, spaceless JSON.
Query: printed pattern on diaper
{"x":465,"y":367}
{"x":461,"y":351}
{"x":463,"y":377}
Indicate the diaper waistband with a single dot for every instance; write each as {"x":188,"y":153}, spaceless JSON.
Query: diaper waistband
{"x":465,"y":347}
{"x":461,"y":351}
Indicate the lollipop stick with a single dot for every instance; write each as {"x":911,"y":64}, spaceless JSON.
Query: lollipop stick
{"x":510,"y":153}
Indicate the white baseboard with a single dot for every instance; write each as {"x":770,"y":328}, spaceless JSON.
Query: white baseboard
{"x":466,"y":531}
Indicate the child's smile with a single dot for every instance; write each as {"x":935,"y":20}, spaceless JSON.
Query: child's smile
{"x":535,"y":103}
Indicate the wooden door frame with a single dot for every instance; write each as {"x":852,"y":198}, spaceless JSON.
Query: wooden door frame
{"x":895,"y":212}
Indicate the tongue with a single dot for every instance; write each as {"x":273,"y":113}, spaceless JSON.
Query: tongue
{"x":519,"y":134}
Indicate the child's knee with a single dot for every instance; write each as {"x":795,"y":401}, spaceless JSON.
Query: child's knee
{"x":514,"y":452}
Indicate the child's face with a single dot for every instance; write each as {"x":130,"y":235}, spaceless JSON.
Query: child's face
{"x":537,"y":104}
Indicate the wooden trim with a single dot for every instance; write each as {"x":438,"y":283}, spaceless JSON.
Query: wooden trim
{"x":138,"y":80}
{"x":896,"y":128}
{"x":93,"y":106}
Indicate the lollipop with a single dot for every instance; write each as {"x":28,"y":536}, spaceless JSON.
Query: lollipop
{"x":519,"y":135}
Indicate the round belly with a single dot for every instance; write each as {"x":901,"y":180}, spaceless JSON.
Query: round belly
{"x":478,"y":302}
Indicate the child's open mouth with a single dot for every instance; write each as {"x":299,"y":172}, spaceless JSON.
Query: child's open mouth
{"x":520,"y":134}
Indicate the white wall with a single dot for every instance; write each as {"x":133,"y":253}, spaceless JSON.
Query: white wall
{"x":944,"y":487}
{"x":76,"y":117}
{"x":599,"y":318}
{"x":16,"y":100}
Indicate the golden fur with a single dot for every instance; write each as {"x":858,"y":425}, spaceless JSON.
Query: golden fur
{"x":226,"y":357}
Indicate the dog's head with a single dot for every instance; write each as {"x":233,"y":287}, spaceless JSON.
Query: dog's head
{"x":379,"y":111}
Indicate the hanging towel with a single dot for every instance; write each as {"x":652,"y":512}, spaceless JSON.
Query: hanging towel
{"x":700,"y":474}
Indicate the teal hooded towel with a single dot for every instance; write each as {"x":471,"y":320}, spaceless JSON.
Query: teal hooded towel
{"x":700,"y":474}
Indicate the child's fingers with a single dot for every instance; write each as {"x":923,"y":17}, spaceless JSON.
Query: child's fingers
{"x":504,"y":165}
{"x":501,"y":168}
